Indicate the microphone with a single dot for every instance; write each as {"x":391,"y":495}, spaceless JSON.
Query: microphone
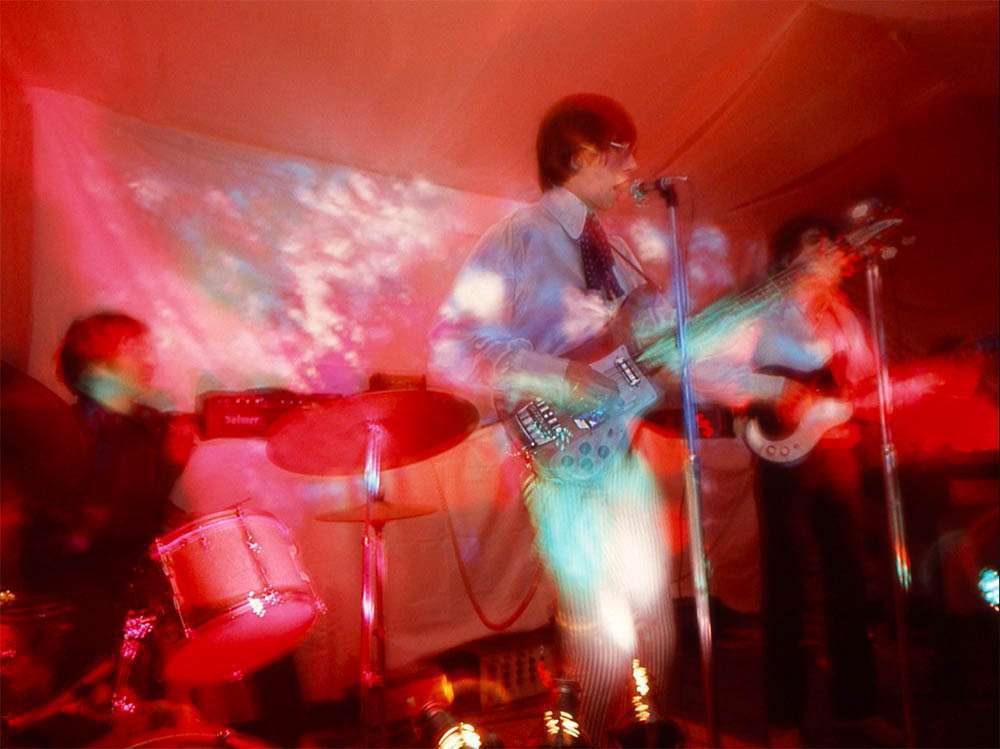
{"x":639,"y":189}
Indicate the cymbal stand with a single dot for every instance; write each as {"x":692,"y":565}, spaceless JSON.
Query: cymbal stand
{"x":893,"y":497}
{"x":372,"y":581}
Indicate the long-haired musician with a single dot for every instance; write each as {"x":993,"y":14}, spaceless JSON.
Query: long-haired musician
{"x":540,"y":283}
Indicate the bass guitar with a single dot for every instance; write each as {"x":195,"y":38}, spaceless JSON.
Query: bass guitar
{"x":823,"y":410}
{"x":579,"y":444}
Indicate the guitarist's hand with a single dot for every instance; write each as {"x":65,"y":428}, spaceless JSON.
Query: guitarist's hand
{"x":588,"y":387}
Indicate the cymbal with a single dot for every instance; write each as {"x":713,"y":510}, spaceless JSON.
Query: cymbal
{"x":330,"y":439}
{"x":381,"y":512}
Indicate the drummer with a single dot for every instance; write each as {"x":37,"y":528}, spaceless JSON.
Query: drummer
{"x":85,"y":547}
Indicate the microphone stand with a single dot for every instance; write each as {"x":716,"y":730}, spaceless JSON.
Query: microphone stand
{"x":893,"y":496}
{"x":692,"y":465}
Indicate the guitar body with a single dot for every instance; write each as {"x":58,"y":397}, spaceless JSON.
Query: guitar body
{"x":580,"y":446}
{"x":788,"y":441}
{"x":820,"y":416}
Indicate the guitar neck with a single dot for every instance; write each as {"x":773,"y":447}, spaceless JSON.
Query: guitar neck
{"x":717,"y":322}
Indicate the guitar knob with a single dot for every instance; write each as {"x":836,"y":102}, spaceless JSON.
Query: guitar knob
{"x":603,"y":451}
{"x":784,"y":452}
{"x":567,"y":460}
{"x":585,"y":448}
{"x":586,"y":464}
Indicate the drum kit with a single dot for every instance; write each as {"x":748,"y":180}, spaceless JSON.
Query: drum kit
{"x":241,"y":597}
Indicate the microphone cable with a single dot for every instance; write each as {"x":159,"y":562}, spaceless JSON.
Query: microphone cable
{"x":467,"y":583}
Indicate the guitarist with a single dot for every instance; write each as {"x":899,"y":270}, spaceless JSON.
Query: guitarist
{"x":820,"y":502}
{"x":540,"y":283}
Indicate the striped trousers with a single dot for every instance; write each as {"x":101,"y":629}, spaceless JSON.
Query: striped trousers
{"x":606,"y":546}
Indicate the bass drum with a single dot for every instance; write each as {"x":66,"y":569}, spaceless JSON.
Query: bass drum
{"x":241,"y":596}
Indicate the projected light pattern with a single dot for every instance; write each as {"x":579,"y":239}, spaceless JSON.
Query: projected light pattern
{"x":342,"y":243}
{"x":616,"y":618}
{"x":251,"y":268}
{"x":254,"y":269}
{"x":478,"y":330}
{"x":603,"y":544}
{"x":714,"y":265}
{"x":989,"y":587}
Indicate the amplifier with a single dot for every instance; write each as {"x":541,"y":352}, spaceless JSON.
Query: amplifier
{"x":249,"y":413}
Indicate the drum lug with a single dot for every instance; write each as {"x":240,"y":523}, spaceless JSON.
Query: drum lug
{"x":123,"y":702}
{"x":259,"y":604}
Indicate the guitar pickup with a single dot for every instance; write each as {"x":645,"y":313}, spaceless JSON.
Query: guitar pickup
{"x":627,"y":369}
{"x":538,"y":423}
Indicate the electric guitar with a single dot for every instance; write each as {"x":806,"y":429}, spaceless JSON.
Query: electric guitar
{"x":564,"y":443}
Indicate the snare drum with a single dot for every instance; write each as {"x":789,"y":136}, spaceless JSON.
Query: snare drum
{"x":242,"y":597}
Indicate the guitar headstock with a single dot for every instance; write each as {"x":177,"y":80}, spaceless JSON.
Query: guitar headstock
{"x":829,"y":260}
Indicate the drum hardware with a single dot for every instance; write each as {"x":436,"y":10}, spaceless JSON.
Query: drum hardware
{"x":69,"y":701}
{"x":399,"y":427}
{"x":137,"y":627}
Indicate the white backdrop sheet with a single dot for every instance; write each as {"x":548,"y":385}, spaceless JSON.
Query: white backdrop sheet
{"x":254,"y":268}
{"x":251,"y":268}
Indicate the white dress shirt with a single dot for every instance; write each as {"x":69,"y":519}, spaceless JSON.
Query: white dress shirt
{"x":521,"y":301}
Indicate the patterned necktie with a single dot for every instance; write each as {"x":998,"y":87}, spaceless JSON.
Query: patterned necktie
{"x":598,"y":262}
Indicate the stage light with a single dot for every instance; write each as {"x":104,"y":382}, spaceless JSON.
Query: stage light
{"x":444,"y":731}
{"x":989,"y":587}
{"x":561,"y":725}
{"x":640,"y":694}
{"x":646,"y":728}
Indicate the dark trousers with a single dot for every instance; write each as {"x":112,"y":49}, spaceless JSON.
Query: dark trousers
{"x":819,"y":503}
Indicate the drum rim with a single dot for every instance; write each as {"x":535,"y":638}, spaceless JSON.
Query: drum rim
{"x":236,"y":612}
{"x":164,"y":544}
{"x":241,"y":606}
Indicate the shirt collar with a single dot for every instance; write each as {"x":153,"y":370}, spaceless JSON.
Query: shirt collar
{"x":567,"y":209}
